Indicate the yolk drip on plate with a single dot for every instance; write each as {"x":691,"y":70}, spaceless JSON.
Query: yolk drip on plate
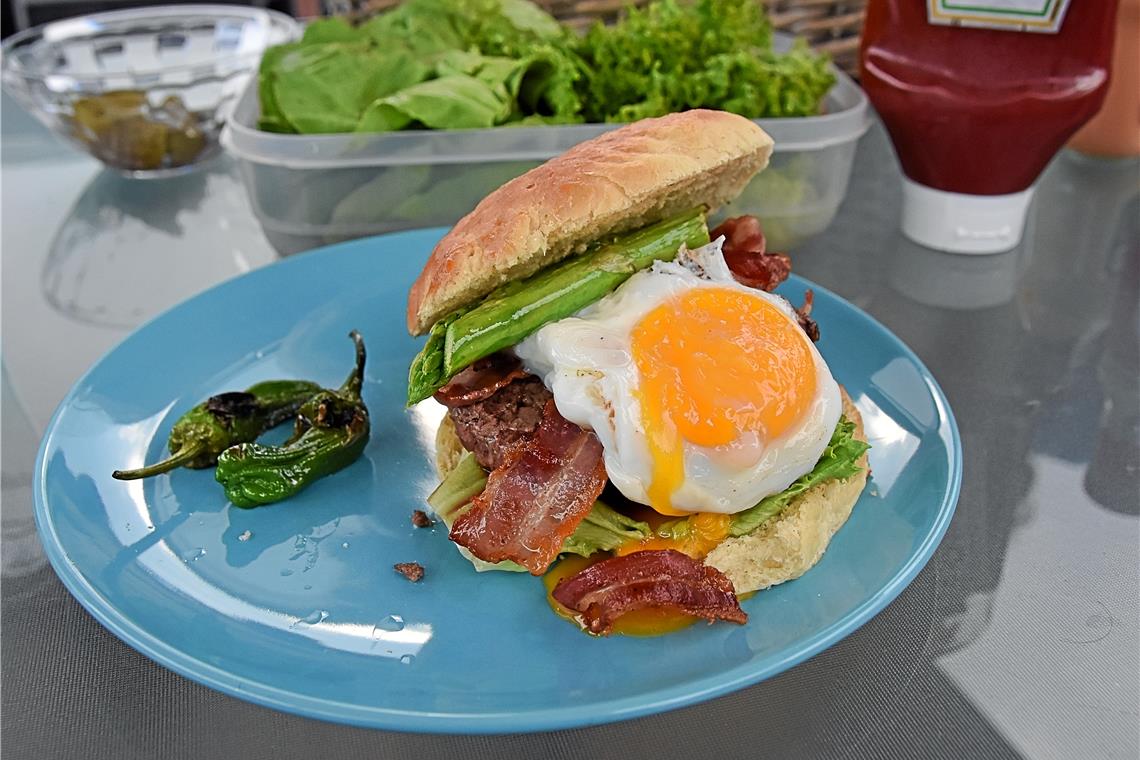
{"x":714,"y":363}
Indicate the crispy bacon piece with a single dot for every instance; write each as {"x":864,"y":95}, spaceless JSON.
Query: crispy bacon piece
{"x":480,"y":380}
{"x":746,"y":255}
{"x":741,"y":233}
{"x":536,"y":497}
{"x":803,"y":316}
{"x":605,"y":591}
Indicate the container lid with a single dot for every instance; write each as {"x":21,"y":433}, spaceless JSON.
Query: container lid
{"x":962,"y":223}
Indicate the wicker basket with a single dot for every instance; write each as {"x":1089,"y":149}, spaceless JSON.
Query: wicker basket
{"x":832,"y":26}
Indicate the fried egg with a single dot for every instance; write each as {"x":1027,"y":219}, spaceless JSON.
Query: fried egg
{"x":706,"y":394}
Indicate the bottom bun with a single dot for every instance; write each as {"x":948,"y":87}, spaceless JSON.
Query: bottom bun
{"x":787,"y":547}
{"x":448,"y":449}
{"x":779,"y":550}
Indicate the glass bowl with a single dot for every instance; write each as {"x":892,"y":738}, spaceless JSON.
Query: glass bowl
{"x":146,"y":90}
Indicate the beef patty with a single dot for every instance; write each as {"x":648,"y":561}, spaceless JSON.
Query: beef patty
{"x":489,"y":428}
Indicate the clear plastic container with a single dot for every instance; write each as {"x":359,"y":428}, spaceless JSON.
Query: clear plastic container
{"x":311,"y":190}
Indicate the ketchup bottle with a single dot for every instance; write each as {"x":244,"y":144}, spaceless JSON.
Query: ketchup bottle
{"x":978,"y":96}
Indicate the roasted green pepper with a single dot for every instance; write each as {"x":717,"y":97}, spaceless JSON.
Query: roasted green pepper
{"x":204,"y":432}
{"x":330,"y":432}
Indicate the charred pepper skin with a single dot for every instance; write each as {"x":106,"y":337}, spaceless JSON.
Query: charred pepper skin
{"x":330,"y":433}
{"x":204,"y":432}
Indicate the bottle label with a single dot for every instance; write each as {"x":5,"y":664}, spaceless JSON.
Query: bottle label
{"x":1012,"y":15}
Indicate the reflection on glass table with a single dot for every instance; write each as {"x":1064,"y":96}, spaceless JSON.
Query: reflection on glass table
{"x":128,"y":249}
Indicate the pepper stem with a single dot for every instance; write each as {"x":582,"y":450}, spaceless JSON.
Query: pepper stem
{"x":355,"y":381}
{"x":185,"y":454}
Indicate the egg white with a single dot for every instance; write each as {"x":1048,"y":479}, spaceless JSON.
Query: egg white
{"x":586,"y":362}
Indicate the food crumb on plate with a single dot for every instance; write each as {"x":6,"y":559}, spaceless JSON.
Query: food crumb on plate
{"x":420,"y":519}
{"x":413,"y":571}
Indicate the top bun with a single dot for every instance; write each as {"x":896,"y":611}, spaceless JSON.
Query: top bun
{"x":622,"y":180}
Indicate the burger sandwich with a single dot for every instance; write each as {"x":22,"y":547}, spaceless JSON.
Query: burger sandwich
{"x":623,"y":386}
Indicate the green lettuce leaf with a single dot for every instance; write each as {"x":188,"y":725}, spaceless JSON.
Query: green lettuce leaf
{"x":465,"y":481}
{"x":548,"y":87}
{"x":604,"y":529}
{"x":426,"y":27}
{"x":446,"y":64}
{"x":492,"y":27}
{"x":331,"y":30}
{"x":840,"y":460}
{"x":271,"y":118}
{"x":540,"y":85}
{"x":451,"y":193}
{"x":528,"y":20}
{"x":324,"y":88}
{"x":457,"y":101}
{"x":380,"y":198}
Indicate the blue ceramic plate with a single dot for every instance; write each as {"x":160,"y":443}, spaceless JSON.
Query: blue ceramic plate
{"x":296,"y":606}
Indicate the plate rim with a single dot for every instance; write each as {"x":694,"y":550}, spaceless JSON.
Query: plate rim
{"x":499,"y":722}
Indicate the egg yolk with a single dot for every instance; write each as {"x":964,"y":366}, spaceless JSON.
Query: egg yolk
{"x":714,"y":363}
{"x":705,"y":532}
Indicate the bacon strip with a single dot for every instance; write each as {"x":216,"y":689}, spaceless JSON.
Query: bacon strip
{"x":605,"y":591}
{"x":746,"y":255}
{"x":535,"y":499}
{"x":480,"y":380}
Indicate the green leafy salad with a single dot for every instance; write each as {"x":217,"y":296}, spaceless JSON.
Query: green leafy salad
{"x":456,"y":64}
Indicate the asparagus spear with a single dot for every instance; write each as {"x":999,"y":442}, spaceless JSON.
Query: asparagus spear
{"x":505,"y":318}
{"x":426,"y":374}
{"x":519,"y":308}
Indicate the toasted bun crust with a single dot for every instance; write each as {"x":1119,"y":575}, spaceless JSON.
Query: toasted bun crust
{"x":780,"y":550}
{"x":622,"y":180}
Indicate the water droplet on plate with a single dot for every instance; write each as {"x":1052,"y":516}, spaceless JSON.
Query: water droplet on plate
{"x":316,"y":617}
{"x":195,"y":554}
{"x":344,"y":545}
{"x":408,"y":659}
{"x":389,"y":623}
{"x":286,"y":572}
